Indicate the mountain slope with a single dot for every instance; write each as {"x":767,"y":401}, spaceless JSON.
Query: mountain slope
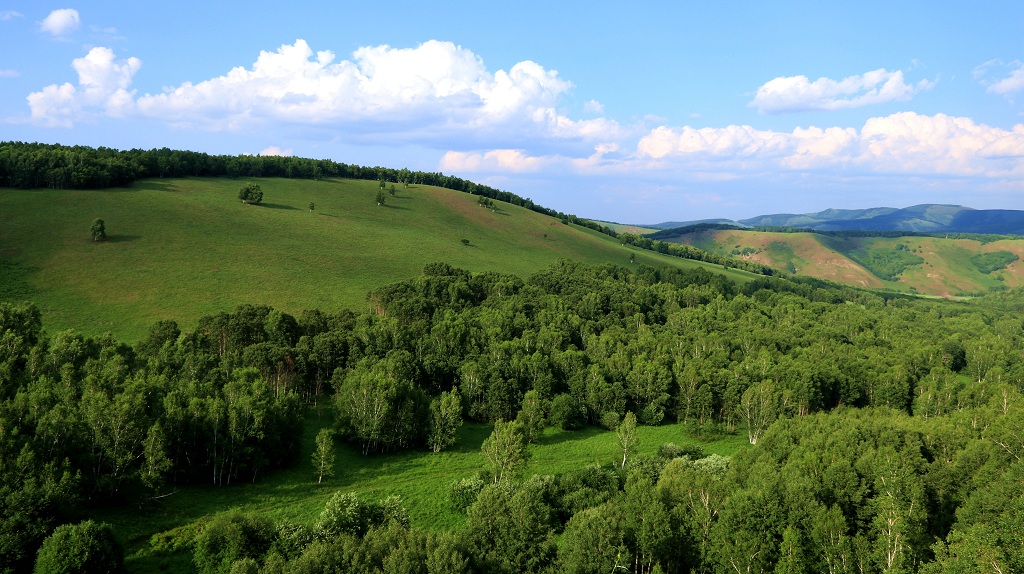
{"x":917,"y":264}
{"x":184,"y":248}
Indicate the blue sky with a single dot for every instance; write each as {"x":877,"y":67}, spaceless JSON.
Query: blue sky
{"x":641,"y":114}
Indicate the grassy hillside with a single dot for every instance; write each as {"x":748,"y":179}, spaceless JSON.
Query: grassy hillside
{"x":423,"y":480}
{"x":927,"y":265}
{"x":183,"y":248}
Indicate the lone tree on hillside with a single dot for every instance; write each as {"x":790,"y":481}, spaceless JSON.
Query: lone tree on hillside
{"x":505,"y":450}
{"x":380,"y":196}
{"x":98,"y":230}
{"x":626,"y":433}
{"x":323,"y":456}
{"x":312,"y":206}
{"x":250,"y":193}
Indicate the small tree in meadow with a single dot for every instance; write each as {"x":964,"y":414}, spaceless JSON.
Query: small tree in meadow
{"x":312,"y":206}
{"x":323,"y":456}
{"x":380,"y":196}
{"x":445,"y":420}
{"x":98,"y":230}
{"x":505,"y":450}
{"x":626,"y":433}
{"x":250,"y":193}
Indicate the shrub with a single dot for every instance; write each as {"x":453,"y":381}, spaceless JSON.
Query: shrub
{"x":84,"y":547}
{"x":463,"y":492}
{"x":230,"y":538}
{"x":610,"y":420}
{"x":566,"y":413}
{"x":250,"y":193}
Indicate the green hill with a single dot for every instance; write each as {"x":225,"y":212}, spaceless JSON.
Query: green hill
{"x":184,"y":248}
{"x":929,"y":265}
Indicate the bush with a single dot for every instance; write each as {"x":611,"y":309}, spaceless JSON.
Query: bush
{"x":231,"y":538}
{"x":84,"y":547}
{"x":343,"y":513}
{"x":566,"y":413}
{"x":670,"y":450}
{"x":250,"y":193}
{"x":464,"y":491}
{"x":98,"y":230}
{"x":610,"y":420}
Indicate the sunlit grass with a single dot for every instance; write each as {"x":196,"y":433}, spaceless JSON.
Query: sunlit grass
{"x":183,"y":248}
{"x":422,"y":479}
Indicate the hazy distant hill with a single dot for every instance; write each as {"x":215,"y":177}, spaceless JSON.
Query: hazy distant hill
{"x":926,"y":218}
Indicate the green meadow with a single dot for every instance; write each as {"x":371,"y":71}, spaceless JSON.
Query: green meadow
{"x":420,"y":478}
{"x":184,"y":248}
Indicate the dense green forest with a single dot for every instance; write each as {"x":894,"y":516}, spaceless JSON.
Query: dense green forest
{"x":887,"y":433}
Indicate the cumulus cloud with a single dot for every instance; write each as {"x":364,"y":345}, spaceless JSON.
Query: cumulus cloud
{"x":593,"y":107}
{"x":798,"y":93}
{"x":433,"y":92}
{"x":518,"y":161}
{"x":6,"y":15}
{"x":499,"y":160}
{"x":1009,"y":81}
{"x":276,"y":151}
{"x":61,"y":22}
{"x":903,"y":143}
{"x":906,"y":144}
{"x":103,"y":83}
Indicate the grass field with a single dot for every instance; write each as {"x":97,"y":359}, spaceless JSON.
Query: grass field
{"x":422,"y":479}
{"x":183,"y":248}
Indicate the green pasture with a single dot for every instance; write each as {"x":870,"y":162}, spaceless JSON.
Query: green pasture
{"x":184,"y":248}
{"x":421,"y":478}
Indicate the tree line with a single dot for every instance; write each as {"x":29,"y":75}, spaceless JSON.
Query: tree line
{"x":786,"y":362}
{"x":54,"y":166}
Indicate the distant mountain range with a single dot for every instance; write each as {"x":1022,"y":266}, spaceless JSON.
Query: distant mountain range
{"x":927,"y":218}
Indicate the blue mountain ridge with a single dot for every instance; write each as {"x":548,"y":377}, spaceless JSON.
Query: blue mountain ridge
{"x":927,"y":218}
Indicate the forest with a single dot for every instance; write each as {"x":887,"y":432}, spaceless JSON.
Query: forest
{"x":886,"y":433}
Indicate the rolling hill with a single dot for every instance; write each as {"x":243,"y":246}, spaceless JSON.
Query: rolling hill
{"x":184,"y":248}
{"x":927,"y":265}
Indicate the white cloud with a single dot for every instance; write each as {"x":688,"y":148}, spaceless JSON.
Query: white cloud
{"x":6,"y":73}
{"x":436,"y":85}
{"x":1004,"y":86}
{"x":907,"y":145}
{"x":501,"y":160}
{"x":6,"y":15}
{"x":798,"y":94}
{"x":61,"y":22}
{"x":103,"y":83}
{"x":276,"y":151}
{"x":518,"y":161}
{"x":435,"y":92}
{"x":593,"y":107}
{"x":904,"y":143}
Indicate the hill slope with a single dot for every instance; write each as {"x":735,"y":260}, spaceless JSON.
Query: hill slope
{"x":183,"y":248}
{"x":926,"y":265}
